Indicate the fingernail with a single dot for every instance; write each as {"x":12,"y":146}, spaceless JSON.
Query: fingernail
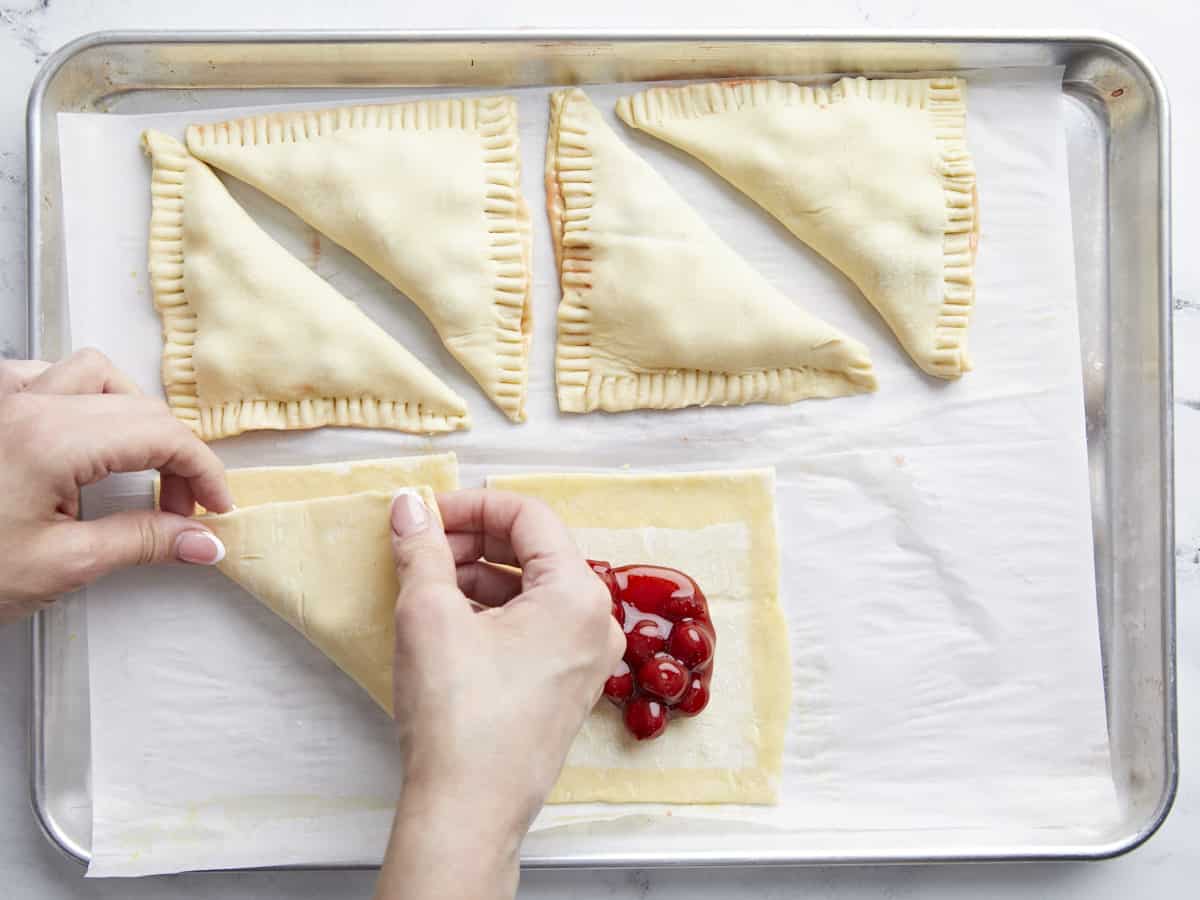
{"x":409,"y":514}
{"x":200,"y":547}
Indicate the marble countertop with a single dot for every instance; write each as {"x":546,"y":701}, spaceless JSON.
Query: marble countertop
{"x":1162,"y":29}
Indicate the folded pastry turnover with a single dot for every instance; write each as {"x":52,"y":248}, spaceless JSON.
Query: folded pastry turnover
{"x":427,"y":194}
{"x":253,"y":339}
{"x":872,"y":174}
{"x":286,"y":555}
{"x":657,"y":311}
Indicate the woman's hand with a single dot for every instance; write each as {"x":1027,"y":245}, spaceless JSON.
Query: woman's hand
{"x":487,"y":703}
{"x":66,"y":425}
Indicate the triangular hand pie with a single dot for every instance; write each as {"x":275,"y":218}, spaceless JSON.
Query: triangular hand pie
{"x":292,"y":556}
{"x":657,"y":312}
{"x":872,"y":174}
{"x":427,"y":194}
{"x":253,"y":339}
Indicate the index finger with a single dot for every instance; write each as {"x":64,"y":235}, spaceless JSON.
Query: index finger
{"x":539,"y":541}
{"x":179,"y":455}
{"x":86,"y":371}
{"x":149,"y":438}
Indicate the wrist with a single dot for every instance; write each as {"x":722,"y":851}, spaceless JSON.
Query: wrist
{"x":480,"y":808}
{"x":451,"y":843}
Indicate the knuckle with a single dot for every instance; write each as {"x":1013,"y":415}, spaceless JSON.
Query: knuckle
{"x":413,"y":552}
{"x":546,"y":512}
{"x":592,"y":594}
{"x":91,"y":358}
{"x":564,"y":570}
{"x":537,"y":504}
{"x":537,"y":508}
{"x":592,"y":605}
{"x":151,"y":543}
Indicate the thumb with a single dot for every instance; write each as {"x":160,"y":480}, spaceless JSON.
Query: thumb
{"x":424,"y":561}
{"x":100,"y":546}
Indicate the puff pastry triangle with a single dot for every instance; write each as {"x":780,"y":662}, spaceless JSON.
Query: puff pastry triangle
{"x":872,"y":174}
{"x":252,"y":338}
{"x":292,"y":556}
{"x":657,"y":312}
{"x":426,"y":193}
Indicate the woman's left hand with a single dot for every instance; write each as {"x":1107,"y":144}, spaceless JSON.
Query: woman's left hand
{"x":70,"y":424}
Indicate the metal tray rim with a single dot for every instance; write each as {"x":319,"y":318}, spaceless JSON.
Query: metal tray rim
{"x":57,"y":835}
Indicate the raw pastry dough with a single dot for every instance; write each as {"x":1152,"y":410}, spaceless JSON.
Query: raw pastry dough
{"x":253,"y":486}
{"x":253,"y":339}
{"x":326,"y":567}
{"x":427,"y":193}
{"x":720,"y":528}
{"x":872,"y":174}
{"x":657,"y":312}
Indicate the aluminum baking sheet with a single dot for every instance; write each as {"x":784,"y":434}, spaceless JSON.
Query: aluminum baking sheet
{"x":1134,"y":588}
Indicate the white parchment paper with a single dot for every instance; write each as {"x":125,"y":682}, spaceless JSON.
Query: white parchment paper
{"x":937,"y":557}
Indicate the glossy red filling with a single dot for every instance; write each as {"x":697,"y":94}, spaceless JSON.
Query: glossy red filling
{"x":669,"y":646}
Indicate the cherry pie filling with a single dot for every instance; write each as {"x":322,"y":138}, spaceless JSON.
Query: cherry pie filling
{"x":669,"y":646}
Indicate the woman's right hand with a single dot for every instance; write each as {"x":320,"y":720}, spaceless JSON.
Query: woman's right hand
{"x":487,"y":703}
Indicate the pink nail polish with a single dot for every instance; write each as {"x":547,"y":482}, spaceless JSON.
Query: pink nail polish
{"x":202,"y":548}
{"x":409,"y":515}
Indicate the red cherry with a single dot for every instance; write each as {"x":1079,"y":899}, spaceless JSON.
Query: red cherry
{"x":642,"y":641}
{"x":685,"y":602}
{"x":646,"y":587}
{"x":687,"y":606}
{"x":645,"y":718}
{"x":662,"y":591}
{"x":663,"y":677}
{"x":695,"y":698}
{"x":619,"y":686}
{"x":692,"y":644}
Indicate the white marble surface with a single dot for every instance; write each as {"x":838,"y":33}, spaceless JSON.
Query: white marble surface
{"x":1163,"y":29}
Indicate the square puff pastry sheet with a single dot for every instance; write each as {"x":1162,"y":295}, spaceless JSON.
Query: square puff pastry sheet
{"x":657,"y":311}
{"x":872,"y":174}
{"x":252,"y":338}
{"x":721,"y":527}
{"x":427,"y":193}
